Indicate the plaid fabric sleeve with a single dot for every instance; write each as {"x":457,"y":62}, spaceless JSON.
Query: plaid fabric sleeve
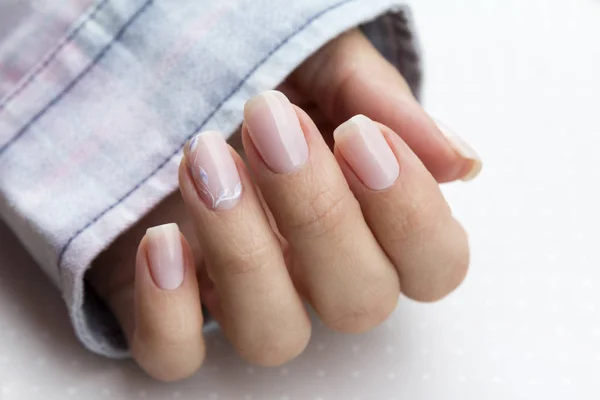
{"x":92,"y":120}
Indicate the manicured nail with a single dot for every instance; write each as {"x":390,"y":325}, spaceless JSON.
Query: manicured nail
{"x":165,"y":256}
{"x":275,"y":131}
{"x":463,"y":149}
{"x":367,"y":152}
{"x":213,"y":170}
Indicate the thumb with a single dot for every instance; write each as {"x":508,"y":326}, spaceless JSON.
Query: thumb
{"x":348,"y":76}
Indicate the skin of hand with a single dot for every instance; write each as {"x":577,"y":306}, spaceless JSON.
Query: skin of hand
{"x":344,"y":220}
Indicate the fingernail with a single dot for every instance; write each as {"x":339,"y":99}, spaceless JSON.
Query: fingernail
{"x":367,"y":152}
{"x":214,"y":172}
{"x":463,"y":149}
{"x":165,"y":256}
{"x":275,"y":131}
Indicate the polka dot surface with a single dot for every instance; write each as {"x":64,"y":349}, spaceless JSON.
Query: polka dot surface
{"x":526,"y":322}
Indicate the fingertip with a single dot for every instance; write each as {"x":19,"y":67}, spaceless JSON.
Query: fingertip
{"x":164,"y":254}
{"x":212,"y":172}
{"x":274,"y":349}
{"x":471,"y":161}
{"x":275,"y":130}
{"x":365,"y":148}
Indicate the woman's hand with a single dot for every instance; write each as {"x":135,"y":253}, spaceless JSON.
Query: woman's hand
{"x":347,"y":230}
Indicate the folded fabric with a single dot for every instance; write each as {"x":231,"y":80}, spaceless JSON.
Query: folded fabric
{"x":99,"y":98}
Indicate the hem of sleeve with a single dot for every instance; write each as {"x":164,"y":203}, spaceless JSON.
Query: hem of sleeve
{"x":395,"y":36}
{"x":93,"y":324}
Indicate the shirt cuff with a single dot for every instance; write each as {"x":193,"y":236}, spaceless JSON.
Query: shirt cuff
{"x":91,"y":139}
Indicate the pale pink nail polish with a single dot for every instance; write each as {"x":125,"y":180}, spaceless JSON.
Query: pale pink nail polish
{"x":463,"y":149}
{"x":367,"y":152}
{"x":165,"y":256}
{"x":214,"y":172}
{"x":275,"y":131}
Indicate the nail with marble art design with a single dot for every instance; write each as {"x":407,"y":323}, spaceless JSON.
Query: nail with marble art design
{"x":192,"y":143}
{"x":213,"y":170}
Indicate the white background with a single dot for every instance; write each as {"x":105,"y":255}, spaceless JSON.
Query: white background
{"x":520,"y":80}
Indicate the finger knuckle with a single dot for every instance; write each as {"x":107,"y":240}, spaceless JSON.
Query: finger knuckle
{"x":329,"y":87}
{"x":171,"y":369}
{"x":248,"y":258}
{"x":348,"y":76}
{"x":172,"y":372}
{"x":325,"y":210}
{"x":364,"y":315}
{"x":417,"y":220}
{"x":273,"y":347}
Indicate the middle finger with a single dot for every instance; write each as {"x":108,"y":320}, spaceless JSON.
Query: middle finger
{"x":341,"y":267}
